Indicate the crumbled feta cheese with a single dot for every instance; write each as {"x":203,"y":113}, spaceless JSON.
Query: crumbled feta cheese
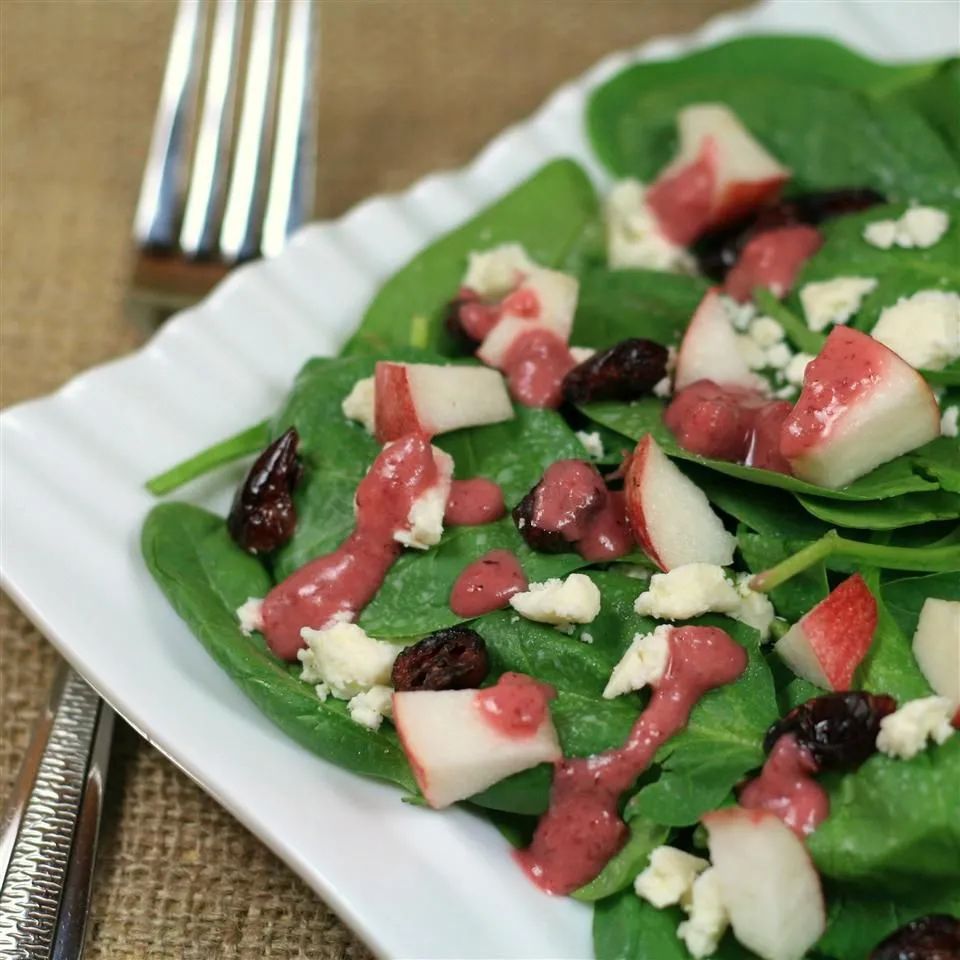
{"x":753,"y":354}
{"x":881,"y":233}
{"x":793,"y":372}
{"x":370,"y":707}
{"x":581,"y":354}
{"x":918,"y":227}
{"x":322,"y":691}
{"x":687,"y":591}
{"x":250,"y":615}
{"x":344,"y":658}
{"x":786,"y":393}
{"x":645,"y":662}
{"x":739,"y":314}
{"x":634,"y":571}
{"x":828,"y":302}
{"x":766,"y":331}
{"x":586,"y":637}
{"x":948,"y":422}
{"x":923,"y":329}
{"x":495,"y":272}
{"x":707,"y":917}
{"x":779,"y":356}
{"x":591,"y":443}
{"x":904,"y":733}
{"x":425,"y":518}
{"x":754,"y":609}
{"x":634,"y":237}
{"x":560,"y":602}
{"x":358,"y":404}
{"x":663,"y":388}
{"x":669,"y":876}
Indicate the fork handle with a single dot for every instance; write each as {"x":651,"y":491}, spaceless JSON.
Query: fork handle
{"x":50,"y":829}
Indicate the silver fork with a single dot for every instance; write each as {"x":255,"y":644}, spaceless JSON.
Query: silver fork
{"x":217,"y":192}
{"x":212,"y":196}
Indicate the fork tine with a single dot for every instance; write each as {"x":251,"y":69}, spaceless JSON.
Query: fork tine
{"x":213,"y":138}
{"x":237,"y":235}
{"x":291,"y":176}
{"x":155,"y":222}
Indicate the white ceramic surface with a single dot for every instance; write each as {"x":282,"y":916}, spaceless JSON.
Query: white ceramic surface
{"x":412,"y":883}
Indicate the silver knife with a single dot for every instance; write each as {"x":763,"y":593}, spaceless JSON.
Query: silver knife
{"x":51,"y":824}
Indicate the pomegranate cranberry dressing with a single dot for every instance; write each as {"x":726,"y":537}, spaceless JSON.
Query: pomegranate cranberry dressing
{"x":703,"y":667}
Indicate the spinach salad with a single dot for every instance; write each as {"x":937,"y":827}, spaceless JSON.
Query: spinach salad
{"x":633,"y":521}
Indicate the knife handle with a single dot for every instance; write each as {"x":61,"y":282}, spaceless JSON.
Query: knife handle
{"x":50,"y":827}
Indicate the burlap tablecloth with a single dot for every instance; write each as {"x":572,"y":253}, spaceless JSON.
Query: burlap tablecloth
{"x":406,"y":86}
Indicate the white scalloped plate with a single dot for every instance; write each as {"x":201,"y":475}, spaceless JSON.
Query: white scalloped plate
{"x":412,"y":883}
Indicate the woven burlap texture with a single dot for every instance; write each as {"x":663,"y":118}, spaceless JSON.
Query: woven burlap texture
{"x":406,"y":86}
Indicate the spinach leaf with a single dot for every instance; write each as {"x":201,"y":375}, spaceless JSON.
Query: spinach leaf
{"x":857,"y":922}
{"x":765,"y":510}
{"x":796,"y":329}
{"x":628,"y":928}
{"x":893,"y":827}
{"x":616,"y":304}
{"x":722,"y":741}
{"x":899,"y":272}
{"x":798,"y":121}
{"x":526,"y":793}
{"x":940,"y":459}
{"x":243,"y":444}
{"x":634,"y":420}
{"x":205,"y":576}
{"x":905,"y":596}
{"x":548,"y":214}
{"x":905,"y":510}
{"x":800,"y":593}
{"x":621,"y":870}
{"x":936,"y":97}
{"x":889,"y":666}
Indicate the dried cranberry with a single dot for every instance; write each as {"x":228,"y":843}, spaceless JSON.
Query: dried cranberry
{"x":839,"y":729}
{"x":718,"y":251}
{"x":933,"y":937}
{"x":453,"y":321}
{"x":625,"y":371}
{"x":558,"y":510}
{"x":263,"y":516}
{"x":451,"y":659}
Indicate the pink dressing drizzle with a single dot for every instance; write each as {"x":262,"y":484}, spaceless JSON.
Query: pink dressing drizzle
{"x":342,"y":583}
{"x":786,"y":788}
{"x":535,"y":365}
{"x":608,"y":534}
{"x":729,"y":423}
{"x":567,"y":498}
{"x":516,"y":706}
{"x":473,"y":502}
{"x":772,"y":259}
{"x":487,"y":584}
{"x":478,"y":317}
{"x":582,"y":830}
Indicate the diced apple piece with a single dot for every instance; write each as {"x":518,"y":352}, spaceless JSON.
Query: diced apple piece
{"x":828,"y":643}
{"x":546,"y":296}
{"x":720,"y":174}
{"x":454,"y":749}
{"x":670,"y":515}
{"x":861,"y":405}
{"x":709,"y":350}
{"x":431,"y":398}
{"x":936,"y":645}
{"x":767,"y":882}
{"x":772,"y":259}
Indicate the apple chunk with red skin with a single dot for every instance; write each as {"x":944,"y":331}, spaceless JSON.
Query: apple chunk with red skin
{"x":709,"y":349}
{"x":828,"y":643}
{"x":861,"y":405}
{"x":720,"y":174}
{"x":669,"y":514}
{"x":431,"y":398}
{"x":936,"y":645}
{"x":454,"y":749}
{"x":767,"y":882}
